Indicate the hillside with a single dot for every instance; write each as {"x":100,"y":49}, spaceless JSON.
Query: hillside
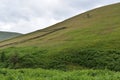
{"x":88,"y":31}
{"x":8,"y":35}
{"x":88,"y":40}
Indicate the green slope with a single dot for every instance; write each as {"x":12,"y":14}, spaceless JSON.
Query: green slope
{"x":100,"y":29}
{"x":8,"y":35}
{"x":88,"y":40}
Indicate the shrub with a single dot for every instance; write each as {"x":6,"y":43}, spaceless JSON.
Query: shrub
{"x":88,"y":58}
{"x":3,"y":56}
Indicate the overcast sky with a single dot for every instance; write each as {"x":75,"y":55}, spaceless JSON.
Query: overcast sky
{"x":25,"y":16}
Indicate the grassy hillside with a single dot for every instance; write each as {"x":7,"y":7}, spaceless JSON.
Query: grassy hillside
{"x":41,"y":74}
{"x":88,"y":40}
{"x":8,"y":35}
{"x":97,"y":28}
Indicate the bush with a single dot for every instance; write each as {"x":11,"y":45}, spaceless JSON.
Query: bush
{"x":88,"y":58}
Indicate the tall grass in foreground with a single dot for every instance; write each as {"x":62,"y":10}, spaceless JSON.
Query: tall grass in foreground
{"x":41,"y":74}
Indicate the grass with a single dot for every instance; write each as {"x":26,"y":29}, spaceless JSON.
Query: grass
{"x":41,"y":74}
{"x":80,"y":31}
{"x":99,"y":32}
{"x":85,"y":43}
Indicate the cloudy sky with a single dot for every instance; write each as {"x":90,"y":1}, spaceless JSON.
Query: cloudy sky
{"x":25,"y":16}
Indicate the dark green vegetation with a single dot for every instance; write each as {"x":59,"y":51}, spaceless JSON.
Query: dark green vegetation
{"x":66,"y":59}
{"x":87,"y":41}
{"x":8,"y":35}
{"x":40,"y":74}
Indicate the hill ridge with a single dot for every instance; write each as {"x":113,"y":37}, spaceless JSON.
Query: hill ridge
{"x":4,"y":35}
{"x":48,"y":32}
{"x":79,"y":21}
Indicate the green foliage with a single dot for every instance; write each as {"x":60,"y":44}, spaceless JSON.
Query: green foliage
{"x":41,"y":74}
{"x":2,"y":57}
{"x":90,"y":40}
{"x":63,"y":59}
{"x":14,"y":60}
{"x":90,"y":58}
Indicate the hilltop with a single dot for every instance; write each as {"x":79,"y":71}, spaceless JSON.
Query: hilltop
{"x":7,"y":35}
{"x":96,"y":28}
{"x":88,"y":40}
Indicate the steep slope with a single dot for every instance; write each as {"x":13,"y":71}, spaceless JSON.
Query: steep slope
{"x":88,"y":40}
{"x":8,"y":35}
{"x":89,"y":29}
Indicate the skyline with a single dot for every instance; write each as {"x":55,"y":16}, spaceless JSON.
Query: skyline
{"x":26,"y":16}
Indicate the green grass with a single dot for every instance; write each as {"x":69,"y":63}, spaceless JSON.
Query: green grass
{"x":101,"y":30}
{"x":41,"y":74}
{"x":85,"y":42}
